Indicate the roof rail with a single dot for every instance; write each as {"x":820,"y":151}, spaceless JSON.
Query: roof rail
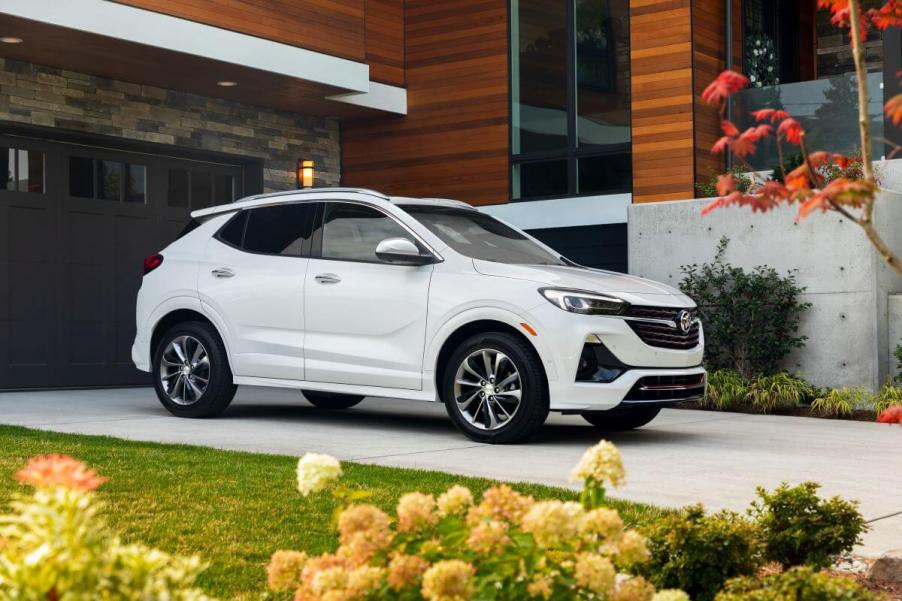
{"x":315,"y":190}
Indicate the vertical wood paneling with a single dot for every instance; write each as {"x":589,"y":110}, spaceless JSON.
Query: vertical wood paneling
{"x":385,"y":40}
{"x":331,"y":26}
{"x":662,"y":116}
{"x":454,"y":140}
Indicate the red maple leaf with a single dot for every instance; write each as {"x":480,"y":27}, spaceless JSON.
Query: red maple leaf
{"x":893,"y":109}
{"x":791,"y":130}
{"x":726,"y":84}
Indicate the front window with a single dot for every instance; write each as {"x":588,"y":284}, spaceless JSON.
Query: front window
{"x":570,"y":98}
{"x":480,"y":236}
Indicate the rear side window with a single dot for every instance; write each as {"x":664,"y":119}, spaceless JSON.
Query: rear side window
{"x":278,"y":230}
{"x":233,"y":232}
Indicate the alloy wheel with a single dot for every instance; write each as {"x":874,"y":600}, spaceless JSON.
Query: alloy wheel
{"x":185,"y":370}
{"x":487,"y":389}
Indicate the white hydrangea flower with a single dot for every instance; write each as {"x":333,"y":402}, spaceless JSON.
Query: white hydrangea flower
{"x":600,"y":463}
{"x":316,"y":471}
{"x":670,"y":595}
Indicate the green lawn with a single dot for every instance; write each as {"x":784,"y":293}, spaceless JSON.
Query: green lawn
{"x":233,"y":509}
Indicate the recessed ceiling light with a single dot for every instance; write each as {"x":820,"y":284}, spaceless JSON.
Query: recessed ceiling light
{"x":225,"y":83}
{"x":10,"y":40}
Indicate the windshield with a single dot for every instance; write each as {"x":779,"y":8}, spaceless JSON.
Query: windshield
{"x":480,"y":236}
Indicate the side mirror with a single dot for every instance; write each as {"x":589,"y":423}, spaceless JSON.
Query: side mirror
{"x":401,"y":251}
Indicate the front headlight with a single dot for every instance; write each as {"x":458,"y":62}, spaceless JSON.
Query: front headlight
{"x":586,"y":303}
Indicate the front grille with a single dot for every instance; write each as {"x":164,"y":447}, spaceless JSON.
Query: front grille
{"x":667,"y":388}
{"x":663,"y":335}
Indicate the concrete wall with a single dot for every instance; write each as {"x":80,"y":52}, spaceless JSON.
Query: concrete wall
{"x":845,"y":281}
{"x":52,"y":97}
{"x":895,"y":331}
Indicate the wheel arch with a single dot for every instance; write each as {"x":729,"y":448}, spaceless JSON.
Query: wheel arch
{"x":176,"y":317}
{"x":461,"y":331}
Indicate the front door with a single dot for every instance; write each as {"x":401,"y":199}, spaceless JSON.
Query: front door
{"x":252,"y":278}
{"x":365,"y":319}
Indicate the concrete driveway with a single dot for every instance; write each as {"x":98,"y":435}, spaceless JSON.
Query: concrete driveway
{"x":682,"y":457}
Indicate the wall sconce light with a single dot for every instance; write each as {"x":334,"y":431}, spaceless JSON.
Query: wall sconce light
{"x":306,"y":171}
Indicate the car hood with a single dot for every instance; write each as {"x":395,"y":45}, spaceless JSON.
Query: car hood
{"x":630,"y":288}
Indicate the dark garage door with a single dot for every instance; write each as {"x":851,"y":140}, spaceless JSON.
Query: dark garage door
{"x":75,"y":225}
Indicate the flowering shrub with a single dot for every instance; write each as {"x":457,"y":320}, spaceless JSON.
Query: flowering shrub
{"x":851,"y":195}
{"x":453,"y":548}
{"x":797,"y":584}
{"x":761,"y":61}
{"x":800,"y":528}
{"x":699,"y":553}
{"x":893,"y":415}
{"x":55,"y":546}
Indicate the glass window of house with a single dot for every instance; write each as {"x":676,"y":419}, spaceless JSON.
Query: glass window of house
{"x":81,"y":177}
{"x":178,"y":188}
{"x":109,"y":180}
{"x":351,"y":232}
{"x":570,"y":98}
{"x":135,"y":183}
{"x":223,"y":189}
{"x":24,"y":170}
{"x":201,"y":189}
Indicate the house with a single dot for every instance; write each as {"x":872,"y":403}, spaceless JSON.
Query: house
{"x":562,"y":116}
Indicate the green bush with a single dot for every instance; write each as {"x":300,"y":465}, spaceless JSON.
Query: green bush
{"x":726,"y":390}
{"x":751,"y":319}
{"x":769,"y":392}
{"x":800,"y":528}
{"x":898,"y":354}
{"x":708,"y":189}
{"x":797,"y":584}
{"x":842,"y":402}
{"x":698,"y":553}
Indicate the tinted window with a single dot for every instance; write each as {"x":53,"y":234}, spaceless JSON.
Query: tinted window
{"x":480,"y":236}
{"x":189,"y":227}
{"x":24,"y":170}
{"x":201,"y":189}
{"x":81,"y":177}
{"x":109,"y":180}
{"x":233,"y":231}
{"x":224,"y":189}
{"x":279,"y":230}
{"x":136,"y":183}
{"x":352,"y":232}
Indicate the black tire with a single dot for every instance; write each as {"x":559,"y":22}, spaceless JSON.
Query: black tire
{"x":619,"y":420}
{"x":219,"y":390}
{"x":532,"y":410}
{"x":331,"y":401}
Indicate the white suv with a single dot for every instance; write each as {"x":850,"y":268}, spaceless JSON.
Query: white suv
{"x":347,"y":293}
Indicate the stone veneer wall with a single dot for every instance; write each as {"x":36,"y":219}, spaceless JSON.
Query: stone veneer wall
{"x":46,"y":96}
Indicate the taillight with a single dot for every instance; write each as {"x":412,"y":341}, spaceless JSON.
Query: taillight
{"x":151,"y":262}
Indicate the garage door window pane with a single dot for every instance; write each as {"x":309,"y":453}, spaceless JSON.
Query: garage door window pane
{"x":177,"y":190}
{"x":279,"y":230}
{"x":81,"y":177}
{"x":8,"y":165}
{"x":352,"y":232}
{"x":109,"y":180}
{"x":136,"y":183}
{"x":224,"y":189}
{"x":201,"y":189}
{"x":31,"y":171}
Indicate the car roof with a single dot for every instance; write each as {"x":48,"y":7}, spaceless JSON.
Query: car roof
{"x":316,"y":194}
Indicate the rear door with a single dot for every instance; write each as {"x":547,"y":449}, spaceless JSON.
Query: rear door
{"x":365,"y":319}
{"x":252,"y":278}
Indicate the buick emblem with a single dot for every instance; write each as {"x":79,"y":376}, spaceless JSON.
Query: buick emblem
{"x":684,"y":320}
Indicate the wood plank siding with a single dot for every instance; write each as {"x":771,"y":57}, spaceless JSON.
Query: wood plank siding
{"x":385,"y":40}
{"x":330,"y":26}
{"x":662,"y":110}
{"x":454,"y":141}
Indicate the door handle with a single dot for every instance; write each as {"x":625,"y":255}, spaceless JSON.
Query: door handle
{"x":223,"y":272}
{"x":327,"y":278}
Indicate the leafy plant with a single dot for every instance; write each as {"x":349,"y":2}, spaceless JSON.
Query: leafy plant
{"x":726,"y":389}
{"x":898,"y":354}
{"x":504,"y":546}
{"x":842,"y":402}
{"x":797,"y":584}
{"x":708,"y":189}
{"x":800,"y":528}
{"x":751,"y":318}
{"x":779,"y":171}
{"x":769,"y":392}
{"x":888,"y":396}
{"x":699,"y":553}
{"x":55,"y":545}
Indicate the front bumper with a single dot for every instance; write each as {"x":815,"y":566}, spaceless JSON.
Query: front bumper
{"x":565,"y":335}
